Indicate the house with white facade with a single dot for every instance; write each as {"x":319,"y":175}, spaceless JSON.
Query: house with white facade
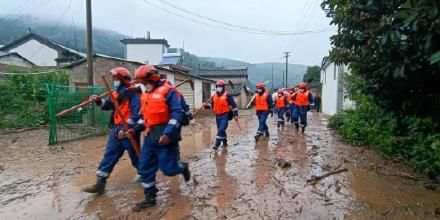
{"x":333,"y":95}
{"x":145,"y":50}
{"x":42,"y":51}
{"x":14,"y":59}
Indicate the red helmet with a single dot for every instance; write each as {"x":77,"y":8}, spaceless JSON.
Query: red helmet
{"x":148,"y":72}
{"x":302,"y":85}
{"x":120,"y":72}
{"x":260,"y":85}
{"x":220,"y":83}
{"x":292,"y":88}
{"x":280,"y":91}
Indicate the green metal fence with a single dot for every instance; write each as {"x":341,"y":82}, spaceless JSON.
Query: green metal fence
{"x":87,"y":121}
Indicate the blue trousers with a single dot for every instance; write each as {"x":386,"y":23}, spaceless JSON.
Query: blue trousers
{"x":300,"y":112}
{"x":292,"y":108}
{"x":280,"y":113}
{"x":155,"y":157}
{"x":262,"y":117}
{"x":113,"y":152}
{"x":222,"y":124}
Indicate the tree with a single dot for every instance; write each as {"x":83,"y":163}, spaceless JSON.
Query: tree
{"x":313,"y":74}
{"x":394,"y":46}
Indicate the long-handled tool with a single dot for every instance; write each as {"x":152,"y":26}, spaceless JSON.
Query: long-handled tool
{"x":73,"y":108}
{"x":133,"y":141}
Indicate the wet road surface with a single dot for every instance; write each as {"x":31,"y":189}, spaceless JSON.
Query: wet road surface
{"x":242,"y":181}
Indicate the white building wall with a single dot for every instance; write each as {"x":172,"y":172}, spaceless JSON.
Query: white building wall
{"x":37,"y":53}
{"x":145,"y":53}
{"x":347,"y":103}
{"x":329,"y":90}
{"x":13,"y":60}
{"x":198,"y":93}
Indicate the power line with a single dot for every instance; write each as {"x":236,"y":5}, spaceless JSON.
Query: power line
{"x":222,"y":22}
{"x":234,"y":29}
{"x":29,"y":12}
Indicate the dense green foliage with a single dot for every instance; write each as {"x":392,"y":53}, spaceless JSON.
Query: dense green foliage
{"x":24,"y":98}
{"x":393,"y":51}
{"x":313,"y":74}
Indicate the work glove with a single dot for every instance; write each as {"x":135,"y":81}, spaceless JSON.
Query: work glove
{"x":96,"y":99}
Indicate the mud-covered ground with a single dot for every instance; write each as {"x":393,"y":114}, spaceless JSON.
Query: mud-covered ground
{"x":267,"y":180}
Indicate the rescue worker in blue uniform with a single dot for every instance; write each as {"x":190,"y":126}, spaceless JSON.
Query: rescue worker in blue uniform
{"x":281,"y":105}
{"x":223,"y":105}
{"x":129,"y":103}
{"x":162,"y":115}
{"x":302,"y":99}
{"x":263,"y":106}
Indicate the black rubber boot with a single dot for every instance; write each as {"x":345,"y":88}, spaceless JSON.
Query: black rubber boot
{"x":267,"y":133}
{"x":297,"y":127}
{"x":150,"y":200}
{"x":278,"y":125}
{"x":97,"y":188}
{"x":303,"y":129}
{"x":257,"y":137}
{"x":186,"y":172}
{"x":217,"y":144}
{"x":225,"y":143}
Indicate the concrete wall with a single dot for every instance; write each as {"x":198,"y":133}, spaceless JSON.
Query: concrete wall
{"x":333,"y":97}
{"x":101,"y":66}
{"x":15,"y":61}
{"x":329,"y":89}
{"x":37,"y":53}
{"x":145,"y":53}
{"x":198,"y":93}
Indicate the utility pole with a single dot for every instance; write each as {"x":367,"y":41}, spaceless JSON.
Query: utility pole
{"x":287,"y":68}
{"x":272,"y":78}
{"x":89,"y":43}
{"x":283,"y":82}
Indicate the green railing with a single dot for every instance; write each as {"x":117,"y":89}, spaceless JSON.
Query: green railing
{"x":87,"y":121}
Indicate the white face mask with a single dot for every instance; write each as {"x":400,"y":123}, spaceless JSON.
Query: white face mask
{"x":141,"y":86}
{"x":302,"y":90}
{"x":149,"y":87}
{"x":259,"y":90}
{"x":116,"y":83}
{"x":219,"y":89}
{"x":280,"y":94}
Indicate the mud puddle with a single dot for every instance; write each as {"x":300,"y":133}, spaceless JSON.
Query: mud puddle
{"x":242,"y":181}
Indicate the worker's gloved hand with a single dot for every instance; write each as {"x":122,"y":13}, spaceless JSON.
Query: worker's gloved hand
{"x":96,"y":99}
{"x":129,"y":132}
{"x":164,"y":140}
{"x":122,"y":134}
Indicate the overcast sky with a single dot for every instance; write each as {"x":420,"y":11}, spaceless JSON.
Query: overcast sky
{"x":136,"y":17}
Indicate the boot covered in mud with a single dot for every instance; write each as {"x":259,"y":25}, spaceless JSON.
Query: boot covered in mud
{"x":97,"y":188}
{"x":150,"y":200}
{"x":303,"y":129}
{"x":297,"y":127}
{"x":217,"y":144}
{"x":186,"y":172}
{"x":267,"y":134}
{"x":257,"y":137}
{"x":225,"y":143}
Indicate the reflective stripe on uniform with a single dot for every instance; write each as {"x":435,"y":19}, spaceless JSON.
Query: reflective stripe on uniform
{"x":148,"y":185}
{"x":221,"y":138}
{"x":140,"y":121}
{"x":173,"y":122}
{"x":102,"y":173}
{"x":130,"y":122}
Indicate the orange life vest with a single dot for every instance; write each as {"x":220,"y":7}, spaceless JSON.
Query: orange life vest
{"x":279,"y":102}
{"x":125,"y":110}
{"x":154,"y":107}
{"x":302,"y":98}
{"x":221,"y":104}
{"x":261,"y":102}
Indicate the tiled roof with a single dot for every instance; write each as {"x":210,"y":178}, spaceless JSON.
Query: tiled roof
{"x":221,"y":72}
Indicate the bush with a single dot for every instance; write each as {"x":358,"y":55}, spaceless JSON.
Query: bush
{"x":370,"y":125}
{"x":24,"y":98}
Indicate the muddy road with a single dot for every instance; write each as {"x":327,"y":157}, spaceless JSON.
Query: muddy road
{"x":267,"y":180}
